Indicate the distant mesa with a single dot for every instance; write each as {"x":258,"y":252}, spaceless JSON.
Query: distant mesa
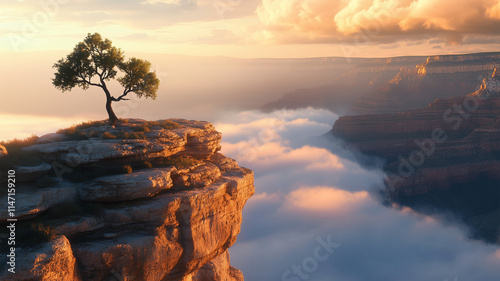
{"x":370,"y":86}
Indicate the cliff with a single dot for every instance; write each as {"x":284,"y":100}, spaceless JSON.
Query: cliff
{"x":450,"y":141}
{"x":389,"y":85}
{"x":139,"y":201}
{"x":438,"y":77}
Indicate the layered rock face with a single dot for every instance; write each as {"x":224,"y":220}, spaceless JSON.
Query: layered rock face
{"x":437,"y":77}
{"x":172,"y":215}
{"x":451,"y":141}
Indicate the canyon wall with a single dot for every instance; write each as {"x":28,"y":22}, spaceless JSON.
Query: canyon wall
{"x":438,"y":77}
{"x":161,"y":204}
{"x":450,"y":141}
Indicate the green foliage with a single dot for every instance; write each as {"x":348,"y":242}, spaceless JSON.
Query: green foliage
{"x":138,"y":79}
{"x":95,"y":61}
{"x":94,"y":56}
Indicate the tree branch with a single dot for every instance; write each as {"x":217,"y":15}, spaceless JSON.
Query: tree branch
{"x":122,"y":97}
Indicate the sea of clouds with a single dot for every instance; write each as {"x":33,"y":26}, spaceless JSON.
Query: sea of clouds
{"x":315,"y":215}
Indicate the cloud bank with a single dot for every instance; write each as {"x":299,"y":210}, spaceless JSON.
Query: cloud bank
{"x":377,"y":20}
{"x":313,"y":216}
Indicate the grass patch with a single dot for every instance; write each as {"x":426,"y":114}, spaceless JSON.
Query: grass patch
{"x":18,"y":157}
{"x":15,"y":145}
{"x":124,"y":135}
{"x":81,"y":132}
{"x":180,"y":161}
{"x":148,"y":125}
{"x":169,"y":125}
{"x":77,"y":132}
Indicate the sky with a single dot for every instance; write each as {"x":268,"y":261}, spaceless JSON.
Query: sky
{"x":256,"y":28}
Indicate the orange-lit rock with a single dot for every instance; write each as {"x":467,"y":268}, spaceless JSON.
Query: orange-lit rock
{"x":155,"y":222}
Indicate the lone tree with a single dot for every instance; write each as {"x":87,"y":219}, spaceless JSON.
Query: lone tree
{"x":95,"y":61}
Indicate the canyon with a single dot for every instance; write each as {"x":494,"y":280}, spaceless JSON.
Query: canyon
{"x":443,"y":156}
{"x":390,"y":85}
{"x":139,"y":201}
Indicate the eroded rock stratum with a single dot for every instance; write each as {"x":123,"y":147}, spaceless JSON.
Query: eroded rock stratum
{"x":159,"y":205}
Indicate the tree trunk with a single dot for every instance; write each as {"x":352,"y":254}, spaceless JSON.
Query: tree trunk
{"x":112,"y":117}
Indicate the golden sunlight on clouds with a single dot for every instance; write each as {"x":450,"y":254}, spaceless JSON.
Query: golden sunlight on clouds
{"x":325,"y":199}
{"x":494,"y":11}
{"x":307,"y":20}
{"x":274,"y":154}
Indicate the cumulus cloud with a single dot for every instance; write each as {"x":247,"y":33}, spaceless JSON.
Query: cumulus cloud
{"x":393,"y":20}
{"x":307,"y":196}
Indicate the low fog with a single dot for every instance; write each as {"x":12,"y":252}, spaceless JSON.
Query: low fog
{"x":306,"y":194}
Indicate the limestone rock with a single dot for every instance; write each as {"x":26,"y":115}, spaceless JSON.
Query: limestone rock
{"x":153,"y":224}
{"x":80,"y":152}
{"x":52,"y":261}
{"x":141,"y":184}
{"x":80,"y":226}
{"x":195,"y":138}
{"x":218,"y":269}
{"x":29,"y":205}
{"x":27,"y":174}
{"x":52,"y":137}
{"x":198,"y":177}
{"x":224,"y":163}
{"x":433,"y":147}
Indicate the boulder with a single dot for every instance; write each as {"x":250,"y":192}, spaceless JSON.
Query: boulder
{"x":196,"y":177}
{"x":133,"y":186}
{"x":53,"y":260}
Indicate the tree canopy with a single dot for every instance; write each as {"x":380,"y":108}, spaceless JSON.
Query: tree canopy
{"x":95,"y":61}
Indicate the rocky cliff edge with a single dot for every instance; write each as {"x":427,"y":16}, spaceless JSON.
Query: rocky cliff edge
{"x":139,"y":201}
